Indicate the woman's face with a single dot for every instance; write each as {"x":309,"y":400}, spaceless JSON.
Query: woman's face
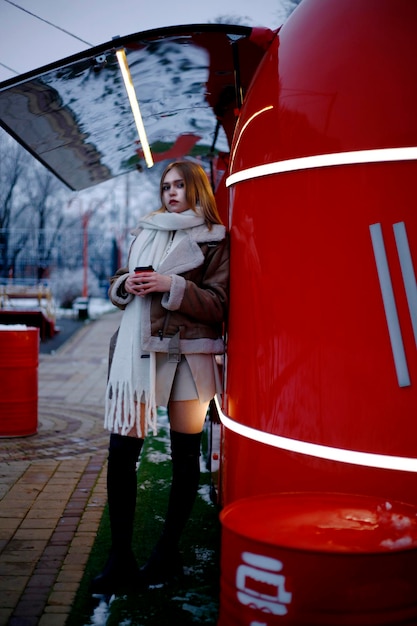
{"x":173,"y":192}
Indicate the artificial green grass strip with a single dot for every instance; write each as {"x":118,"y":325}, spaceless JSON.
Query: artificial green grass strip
{"x":194,"y":599}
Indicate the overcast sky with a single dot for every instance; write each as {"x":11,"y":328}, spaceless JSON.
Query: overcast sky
{"x":27,"y":43}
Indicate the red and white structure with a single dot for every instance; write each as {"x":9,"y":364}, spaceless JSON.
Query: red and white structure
{"x":321,"y":387}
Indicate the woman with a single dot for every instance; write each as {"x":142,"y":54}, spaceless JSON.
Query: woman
{"x":164,"y":355}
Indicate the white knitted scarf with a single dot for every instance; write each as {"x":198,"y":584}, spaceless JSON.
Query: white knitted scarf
{"x":132,"y":374}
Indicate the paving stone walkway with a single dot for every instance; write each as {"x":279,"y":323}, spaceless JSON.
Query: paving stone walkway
{"x":52,"y":484}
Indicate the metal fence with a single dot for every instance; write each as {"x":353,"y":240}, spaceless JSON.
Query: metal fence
{"x":32,"y":255}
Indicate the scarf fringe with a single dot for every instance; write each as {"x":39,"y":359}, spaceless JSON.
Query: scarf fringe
{"x":119,"y":420}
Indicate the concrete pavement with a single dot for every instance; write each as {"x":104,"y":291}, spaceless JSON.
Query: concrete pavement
{"x":52,"y":484}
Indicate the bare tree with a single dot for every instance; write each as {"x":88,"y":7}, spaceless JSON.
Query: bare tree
{"x":30,"y":207}
{"x":285,"y":8}
{"x":232,"y":18}
{"x":47,"y":197}
{"x":14,"y":165}
{"x":42,"y":228}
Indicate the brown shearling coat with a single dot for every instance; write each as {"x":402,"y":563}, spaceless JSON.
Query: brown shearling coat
{"x":195,"y":309}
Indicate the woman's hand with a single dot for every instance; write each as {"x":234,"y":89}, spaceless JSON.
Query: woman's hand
{"x":143,"y":283}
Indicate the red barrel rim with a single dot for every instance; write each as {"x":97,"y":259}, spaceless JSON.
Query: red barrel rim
{"x":324,"y":522}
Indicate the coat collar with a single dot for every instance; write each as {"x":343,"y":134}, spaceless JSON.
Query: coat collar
{"x":186,"y":254}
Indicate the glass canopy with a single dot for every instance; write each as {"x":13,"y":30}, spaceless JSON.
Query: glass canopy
{"x":75,"y":117}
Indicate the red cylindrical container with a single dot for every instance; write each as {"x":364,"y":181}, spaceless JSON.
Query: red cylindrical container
{"x":322,"y":326}
{"x":19,"y":356}
{"x":318,"y":559}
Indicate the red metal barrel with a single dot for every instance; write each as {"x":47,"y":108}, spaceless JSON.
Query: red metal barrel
{"x":19,"y":350}
{"x":318,"y":559}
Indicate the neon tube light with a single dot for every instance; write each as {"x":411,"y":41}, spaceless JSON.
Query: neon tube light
{"x":324,"y":160}
{"x":249,"y":121}
{"x":134,"y":104}
{"x":327,"y":453}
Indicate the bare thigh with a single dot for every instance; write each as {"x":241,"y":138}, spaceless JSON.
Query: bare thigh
{"x":187,"y":416}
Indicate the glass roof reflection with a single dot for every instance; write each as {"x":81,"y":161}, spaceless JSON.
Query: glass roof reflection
{"x":75,"y":115}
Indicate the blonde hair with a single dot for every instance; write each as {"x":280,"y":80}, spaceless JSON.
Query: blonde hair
{"x":198,"y":191}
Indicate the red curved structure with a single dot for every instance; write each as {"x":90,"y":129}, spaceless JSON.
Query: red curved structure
{"x":322,"y":346}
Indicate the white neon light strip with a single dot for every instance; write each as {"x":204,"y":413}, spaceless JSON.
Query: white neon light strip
{"x":134,"y":104}
{"x":391,"y":314}
{"x":407,"y":270}
{"x":324,"y":160}
{"x":328,"y":453}
{"x":246,"y":124}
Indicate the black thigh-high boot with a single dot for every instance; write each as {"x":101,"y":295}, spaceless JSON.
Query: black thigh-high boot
{"x":121,"y":569}
{"x":164,"y":563}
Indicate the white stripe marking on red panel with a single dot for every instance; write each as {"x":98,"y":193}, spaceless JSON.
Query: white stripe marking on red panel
{"x":390,"y":307}
{"x":408,"y":273}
